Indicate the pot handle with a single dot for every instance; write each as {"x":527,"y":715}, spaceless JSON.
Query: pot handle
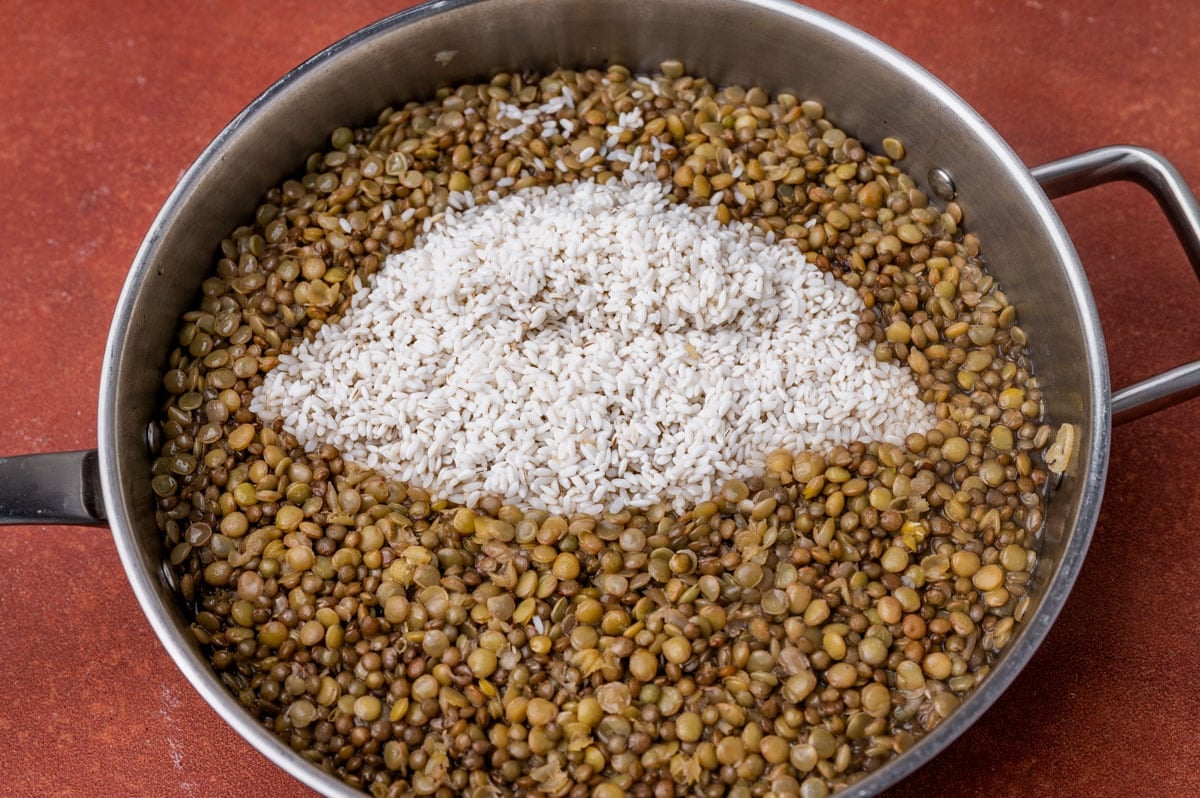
{"x":57,"y":488}
{"x":1154,"y":173}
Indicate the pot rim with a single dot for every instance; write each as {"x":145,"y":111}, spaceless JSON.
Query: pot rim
{"x":1033,"y":630}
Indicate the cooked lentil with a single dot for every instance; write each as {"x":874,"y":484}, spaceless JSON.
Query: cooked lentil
{"x":409,"y":645}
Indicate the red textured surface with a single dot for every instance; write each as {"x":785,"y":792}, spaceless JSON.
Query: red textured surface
{"x":102,"y":105}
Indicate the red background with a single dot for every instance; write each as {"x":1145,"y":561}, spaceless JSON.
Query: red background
{"x":103,"y":105}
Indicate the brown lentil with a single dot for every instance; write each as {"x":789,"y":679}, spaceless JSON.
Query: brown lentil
{"x":408,"y":644}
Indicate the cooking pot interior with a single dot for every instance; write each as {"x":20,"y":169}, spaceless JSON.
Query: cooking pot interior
{"x":867,"y":89}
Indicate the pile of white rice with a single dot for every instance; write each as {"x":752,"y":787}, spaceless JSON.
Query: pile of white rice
{"x":589,"y":347}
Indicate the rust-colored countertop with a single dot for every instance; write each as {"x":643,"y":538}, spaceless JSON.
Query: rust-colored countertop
{"x":103,"y":105}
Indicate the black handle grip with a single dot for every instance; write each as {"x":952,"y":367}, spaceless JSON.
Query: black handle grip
{"x":57,"y":488}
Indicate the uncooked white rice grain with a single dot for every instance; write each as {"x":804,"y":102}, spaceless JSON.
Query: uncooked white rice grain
{"x":667,"y":354}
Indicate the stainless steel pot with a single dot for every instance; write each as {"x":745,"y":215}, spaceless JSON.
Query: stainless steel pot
{"x":867,"y":88}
